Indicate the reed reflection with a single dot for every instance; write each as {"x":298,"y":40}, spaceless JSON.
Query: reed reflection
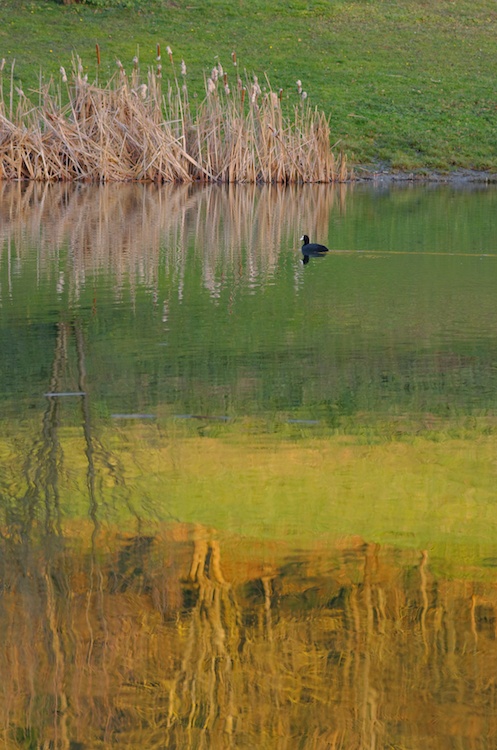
{"x":136,"y":233}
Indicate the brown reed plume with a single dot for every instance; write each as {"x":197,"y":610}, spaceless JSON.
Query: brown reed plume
{"x":137,"y":128}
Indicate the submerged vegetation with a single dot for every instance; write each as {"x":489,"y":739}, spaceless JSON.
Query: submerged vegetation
{"x":131,"y":129}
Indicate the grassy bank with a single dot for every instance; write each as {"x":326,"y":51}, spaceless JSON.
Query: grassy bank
{"x":405,"y":83}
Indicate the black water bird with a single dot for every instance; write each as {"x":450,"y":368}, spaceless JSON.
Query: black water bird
{"x":312,"y":249}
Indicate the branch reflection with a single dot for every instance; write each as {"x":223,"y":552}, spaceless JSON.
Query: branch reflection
{"x":154,"y":639}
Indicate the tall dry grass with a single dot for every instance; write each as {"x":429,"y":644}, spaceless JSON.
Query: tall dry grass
{"x":144,"y":128}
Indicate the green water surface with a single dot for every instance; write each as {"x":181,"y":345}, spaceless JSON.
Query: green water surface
{"x":183,"y":315}
{"x":247,"y":502}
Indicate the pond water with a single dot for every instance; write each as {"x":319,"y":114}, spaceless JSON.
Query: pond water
{"x":246,"y":501}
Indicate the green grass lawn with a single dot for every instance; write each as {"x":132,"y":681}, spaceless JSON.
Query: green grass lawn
{"x":407,"y":83}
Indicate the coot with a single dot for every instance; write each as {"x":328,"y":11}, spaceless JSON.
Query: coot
{"x":312,"y":247}
{"x":311,"y":250}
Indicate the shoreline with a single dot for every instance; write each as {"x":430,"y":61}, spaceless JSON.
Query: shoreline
{"x":382,"y":174}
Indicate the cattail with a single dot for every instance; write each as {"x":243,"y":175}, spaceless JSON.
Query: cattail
{"x":298,"y":148}
{"x":169,"y":52}
{"x":97,"y":49}
{"x":256,"y":90}
{"x":233,"y":57}
{"x":273,"y":98}
{"x":158,"y":53}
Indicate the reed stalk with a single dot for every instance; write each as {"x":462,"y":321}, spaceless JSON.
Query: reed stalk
{"x":130,"y":130}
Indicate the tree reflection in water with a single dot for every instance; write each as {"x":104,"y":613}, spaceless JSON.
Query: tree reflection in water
{"x":128,"y":639}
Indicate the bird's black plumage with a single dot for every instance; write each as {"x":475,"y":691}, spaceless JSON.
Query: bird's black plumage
{"x":308,"y":248}
{"x":312,"y":250}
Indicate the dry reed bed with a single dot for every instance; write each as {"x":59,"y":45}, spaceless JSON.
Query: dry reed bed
{"x":129,"y":130}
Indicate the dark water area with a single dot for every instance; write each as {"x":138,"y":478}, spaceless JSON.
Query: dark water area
{"x":247,"y":501}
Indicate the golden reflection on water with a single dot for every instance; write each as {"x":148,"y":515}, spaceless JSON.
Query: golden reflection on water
{"x":180,"y":638}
